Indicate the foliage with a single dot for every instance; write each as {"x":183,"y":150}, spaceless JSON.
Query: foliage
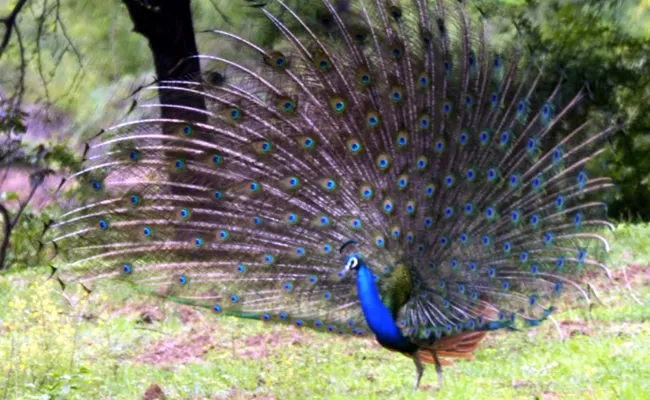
{"x":39,"y":341}
{"x":24,"y":250}
{"x":606,"y":45}
{"x":22,"y":227}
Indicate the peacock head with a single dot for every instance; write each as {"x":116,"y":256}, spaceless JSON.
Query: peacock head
{"x":354,"y":261}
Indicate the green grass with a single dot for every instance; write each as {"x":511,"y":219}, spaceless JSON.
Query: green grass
{"x":101,"y":348}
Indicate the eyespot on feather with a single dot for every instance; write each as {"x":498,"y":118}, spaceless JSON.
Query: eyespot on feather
{"x":262,"y":147}
{"x":276,"y":60}
{"x":338,"y":104}
{"x":354,"y":146}
{"x":306,"y":142}
{"x":363,"y":78}
{"x":397,"y":94}
{"x":402,"y":139}
{"x":395,"y":12}
{"x":291,"y":183}
{"x":133,"y":199}
{"x":286,"y":105}
{"x":322,"y":63}
{"x":372,"y":119}
{"x":359,"y":34}
{"x":396,"y":51}
{"x":232,"y":115}
{"x":383,"y":162}
{"x":328,"y":184}
{"x":366,"y":191}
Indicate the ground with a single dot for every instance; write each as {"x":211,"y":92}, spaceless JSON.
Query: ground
{"x":67,"y":345}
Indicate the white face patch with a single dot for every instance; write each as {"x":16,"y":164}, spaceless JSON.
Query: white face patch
{"x":353,"y":262}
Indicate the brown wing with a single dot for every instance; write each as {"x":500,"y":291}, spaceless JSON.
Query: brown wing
{"x":458,"y":346}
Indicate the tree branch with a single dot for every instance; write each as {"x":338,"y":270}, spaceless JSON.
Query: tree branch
{"x":24,"y":204}
{"x":9,"y":22}
{"x":5,"y":237}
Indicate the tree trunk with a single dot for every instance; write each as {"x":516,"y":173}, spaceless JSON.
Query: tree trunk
{"x":168,"y":26}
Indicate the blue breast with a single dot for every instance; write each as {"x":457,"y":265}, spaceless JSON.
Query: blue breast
{"x":379,"y":318}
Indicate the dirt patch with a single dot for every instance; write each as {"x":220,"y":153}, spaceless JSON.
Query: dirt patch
{"x":142,"y":313}
{"x":574,"y":328}
{"x":521,"y":384}
{"x":188,"y":315}
{"x":154,"y":392}
{"x":261,"y":346}
{"x":637,"y":275}
{"x":148,"y":314}
{"x":551,"y":396}
{"x":185,"y":350}
{"x":192,"y":347}
{"x":236,"y":394}
{"x":428,"y":388}
{"x":632,"y":276}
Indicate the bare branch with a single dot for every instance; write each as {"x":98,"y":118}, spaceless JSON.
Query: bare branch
{"x":9,"y":22}
{"x":48,"y":33}
{"x":5,"y":235}
{"x":39,"y":60}
{"x":20,"y":83}
{"x":34,"y":186}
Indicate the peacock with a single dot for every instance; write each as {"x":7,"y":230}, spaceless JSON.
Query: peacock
{"x":386,"y":170}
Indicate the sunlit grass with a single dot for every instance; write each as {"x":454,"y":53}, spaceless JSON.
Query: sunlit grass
{"x":116,"y":347}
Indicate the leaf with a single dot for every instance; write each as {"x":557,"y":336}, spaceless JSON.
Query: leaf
{"x":9,"y":196}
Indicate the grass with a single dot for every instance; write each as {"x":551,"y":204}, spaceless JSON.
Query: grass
{"x":96,"y":347}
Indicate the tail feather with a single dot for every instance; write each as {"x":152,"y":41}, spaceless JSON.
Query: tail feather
{"x":400,"y":128}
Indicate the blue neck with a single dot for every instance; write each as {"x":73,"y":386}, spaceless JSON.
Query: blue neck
{"x":379,"y":318}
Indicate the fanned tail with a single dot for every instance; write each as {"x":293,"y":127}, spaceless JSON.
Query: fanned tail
{"x":398,"y":127}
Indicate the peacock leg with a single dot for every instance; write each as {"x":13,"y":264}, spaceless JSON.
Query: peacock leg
{"x":438,"y":369}
{"x":419,"y":369}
